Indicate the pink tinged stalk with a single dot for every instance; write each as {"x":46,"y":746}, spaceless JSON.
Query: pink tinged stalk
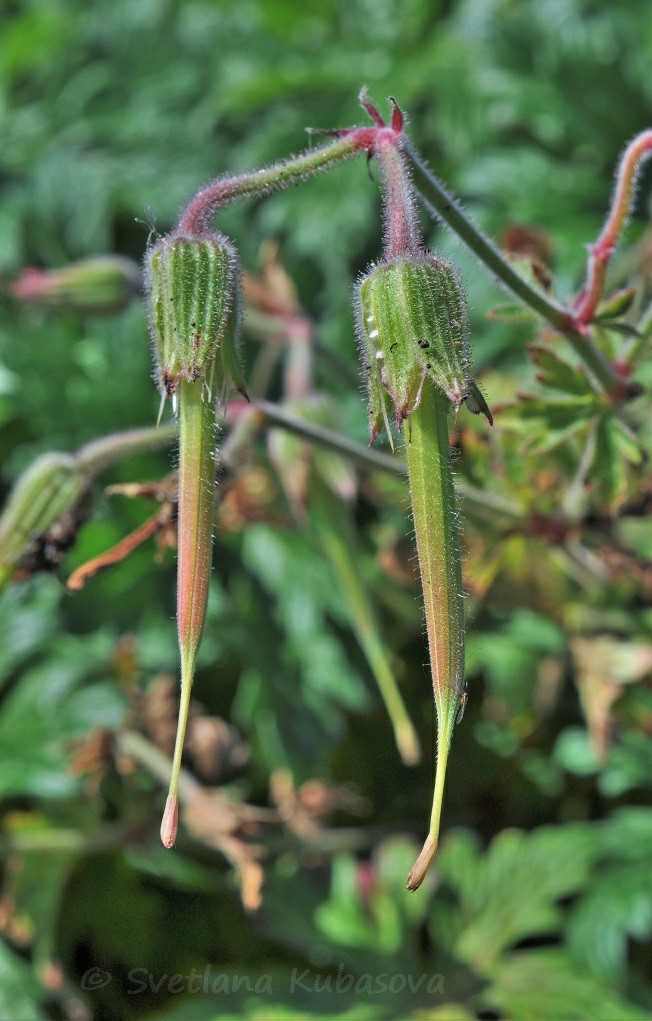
{"x":195,"y":531}
{"x":638,"y":150}
{"x":196,"y":218}
{"x":435,"y":516}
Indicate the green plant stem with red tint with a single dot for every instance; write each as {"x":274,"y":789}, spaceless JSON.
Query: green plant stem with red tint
{"x":435,"y":516}
{"x":601,"y":251}
{"x":196,"y":218}
{"x":425,"y":429}
{"x":195,"y":530}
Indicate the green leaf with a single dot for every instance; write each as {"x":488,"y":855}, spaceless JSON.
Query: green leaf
{"x":615,"y":304}
{"x":547,"y":422}
{"x":344,"y":918}
{"x":558,"y":374}
{"x":20,"y":993}
{"x":27,"y":621}
{"x":508,"y":653}
{"x":499,"y":905}
{"x":299,"y":707}
{"x":629,"y":764}
{"x":46,"y":709}
{"x":538,"y":985}
{"x":618,"y":906}
{"x":614,"y":448}
{"x":510,"y":313}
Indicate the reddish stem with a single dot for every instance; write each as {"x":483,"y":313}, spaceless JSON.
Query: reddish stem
{"x":601,"y":251}
{"x":402,"y":234}
{"x":195,"y":220}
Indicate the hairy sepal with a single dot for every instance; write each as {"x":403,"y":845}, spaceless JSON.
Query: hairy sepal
{"x":413,"y":326}
{"x":192,"y":285}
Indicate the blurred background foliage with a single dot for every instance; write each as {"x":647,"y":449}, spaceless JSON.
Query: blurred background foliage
{"x":540,"y":904}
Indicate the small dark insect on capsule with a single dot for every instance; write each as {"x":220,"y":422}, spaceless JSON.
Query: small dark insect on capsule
{"x":464,"y":698}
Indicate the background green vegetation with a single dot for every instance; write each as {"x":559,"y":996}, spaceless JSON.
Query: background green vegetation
{"x":540,"y":903}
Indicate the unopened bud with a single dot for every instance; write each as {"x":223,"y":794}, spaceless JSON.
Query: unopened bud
{"x":102,"y":285}
{"x":41,"y":514}
{"x":192,"y":291}
{"x":413,"y":324}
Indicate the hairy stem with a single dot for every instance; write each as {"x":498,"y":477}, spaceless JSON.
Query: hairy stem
{"x":442,"y":206}
{"x":402,"y":233}
{"x":196,"y":217}
{"x":195,"y":532}
{"x":600,"y":253}
{"x":96,"y":456}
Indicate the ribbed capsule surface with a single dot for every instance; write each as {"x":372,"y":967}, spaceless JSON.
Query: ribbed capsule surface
{"x":52,"y":488}
{"x":192,"y":286}
{"x":413,"y":324}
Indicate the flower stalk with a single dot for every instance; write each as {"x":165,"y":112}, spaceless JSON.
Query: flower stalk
{"x":197,"y":216}
{"x":638,"y":150}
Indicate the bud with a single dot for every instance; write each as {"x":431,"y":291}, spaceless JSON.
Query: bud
{"x":192,"y":290}
{"x":102,"y":285}
{"x":42,"y":514}
{"x":413,"y":324}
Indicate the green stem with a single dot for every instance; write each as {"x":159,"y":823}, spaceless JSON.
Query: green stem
{"x":435,"y":515}
{"x":272,"y":415}
{"x":442,"y":206}
{"x":99,"y":454}
{"x":96,"y":456}
{"x":195,"y":540}
{"x":334,"y":529}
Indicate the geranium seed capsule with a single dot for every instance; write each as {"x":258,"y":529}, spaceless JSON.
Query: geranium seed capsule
{"x":413,"y":330}
{"x":95,"y":286}
{"x":194,"y":312}
{"x":413,"y":327}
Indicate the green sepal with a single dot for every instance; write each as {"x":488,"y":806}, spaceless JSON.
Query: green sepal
{"x":616,"y":304}
{"x":228,"y":368}
{"x":192,"y":287}
{"x":413,"y":325}
{"x":54,"y":489}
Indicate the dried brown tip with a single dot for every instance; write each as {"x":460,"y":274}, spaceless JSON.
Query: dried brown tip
{"x":422,"y":864}
{"x":170,"y":821}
